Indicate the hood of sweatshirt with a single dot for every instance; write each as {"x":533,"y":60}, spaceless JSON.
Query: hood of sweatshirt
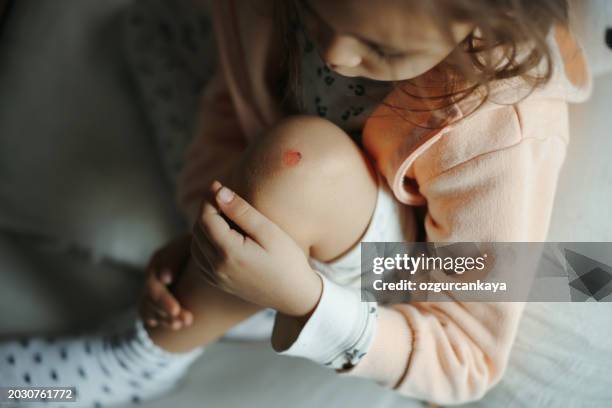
{"x":571,"y":79}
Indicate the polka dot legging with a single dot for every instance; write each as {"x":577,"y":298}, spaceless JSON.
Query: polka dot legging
{"x":116,"y":365}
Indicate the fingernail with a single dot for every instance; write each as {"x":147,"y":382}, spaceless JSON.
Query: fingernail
{"x":166,"y":277}
{"x":216,"y":184}
{"x":225,"y":195}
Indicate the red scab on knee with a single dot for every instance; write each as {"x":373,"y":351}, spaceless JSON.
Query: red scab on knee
{"x":291,"y":158}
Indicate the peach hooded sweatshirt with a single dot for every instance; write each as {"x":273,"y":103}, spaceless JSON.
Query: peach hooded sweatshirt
{"x":490,"y":176}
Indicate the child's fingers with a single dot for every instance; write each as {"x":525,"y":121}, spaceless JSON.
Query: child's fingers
{"x":186,"y":317}
{"x":154,"y":310}
{"x":183,"y":319}
{"x":169,"y":304}
{"x":172,"y":325}
{"x":168,"y":323}
{"x":162,"y":297}
{"x":256,"y":225}
{"x":166,"y":276}
{"x":154,"y":317}
{"x":148,"y":317}
{"x":151,"y":322}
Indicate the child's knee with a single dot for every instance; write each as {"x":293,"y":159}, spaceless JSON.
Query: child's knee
{"x":305,"y":149}
{"x":306,"y":172}
{"x":306,"y":155}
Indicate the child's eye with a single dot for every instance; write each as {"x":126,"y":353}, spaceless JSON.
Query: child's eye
{"x":377,"y":51}
{"x":382,"y":54}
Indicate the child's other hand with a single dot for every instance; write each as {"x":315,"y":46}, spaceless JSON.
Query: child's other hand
{"x":158,"y":306}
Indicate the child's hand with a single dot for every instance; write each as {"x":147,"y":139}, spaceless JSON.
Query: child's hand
{"x":158,"y":306}
{"x":253,"y":259}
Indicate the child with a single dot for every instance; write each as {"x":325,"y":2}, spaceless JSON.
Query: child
{"x":460,"y":107}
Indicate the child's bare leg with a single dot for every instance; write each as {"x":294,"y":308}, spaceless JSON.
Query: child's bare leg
{"x":308,"y":177}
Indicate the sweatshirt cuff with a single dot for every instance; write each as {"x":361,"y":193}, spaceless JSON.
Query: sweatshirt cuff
{"x":339,"y":332}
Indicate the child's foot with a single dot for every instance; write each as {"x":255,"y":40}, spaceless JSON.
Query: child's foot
{"x":116,"y":366}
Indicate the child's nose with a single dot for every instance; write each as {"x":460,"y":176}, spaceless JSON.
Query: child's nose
{"x":342,"y":52}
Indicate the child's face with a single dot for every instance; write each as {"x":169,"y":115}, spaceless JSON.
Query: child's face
{"x":383,"y":40}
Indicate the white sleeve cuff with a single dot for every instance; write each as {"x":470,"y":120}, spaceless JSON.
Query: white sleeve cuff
{"x":340,"y":330}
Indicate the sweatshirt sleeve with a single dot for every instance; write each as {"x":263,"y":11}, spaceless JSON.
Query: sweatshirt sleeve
{"x":337,"y":334}
{"x":217,"y":145}
{"x":454,"y":352}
